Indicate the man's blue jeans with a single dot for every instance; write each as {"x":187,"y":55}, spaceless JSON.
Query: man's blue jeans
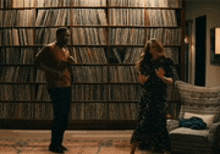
{"x":61,"y":99}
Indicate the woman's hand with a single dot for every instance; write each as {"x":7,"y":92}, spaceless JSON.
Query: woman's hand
{"x":143,"y":78}
{"x":160,"y":72}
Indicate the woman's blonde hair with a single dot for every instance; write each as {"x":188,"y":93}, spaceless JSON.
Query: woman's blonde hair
{"x":146,"y":56}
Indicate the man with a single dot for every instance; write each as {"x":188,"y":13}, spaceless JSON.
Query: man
{"x":54,"y":59}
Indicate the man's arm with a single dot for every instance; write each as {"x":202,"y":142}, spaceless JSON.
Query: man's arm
{"x":40,"y":63}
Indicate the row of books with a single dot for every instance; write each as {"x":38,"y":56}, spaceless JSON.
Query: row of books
{"x":102,"y":111}
{"x":88,"y":74}
{"x":79,"y":36}
{"x":84,"y":55}
{"x":13,"y":18}
{"x":129,"y":17}
{"x":24,"y":37}
{"x":17,"y":55}
{"x":125,"y":92}
{"x":165,"y":35}
{"x":68,"y":17}
{"x":26,"y":74}
{"x":80,"y":74}
{"x":89,"y":17}
{"x":5,"y":4}
{"x":90,"y":92}
{"x":132,"y":55}
{"x":89,"y":55}
{"x":78,"y":111}
{"x":45,"y":35}
{"x":95,"y":36}
{"x":102,"y":92}
{"x":90,"y":111}
{"x":50,"y":3}
{"x":23,"y":92}
{"x":91,"y":36}
{"x":147,"y":3}
{"x":127,"y":74}
{"x":53,"y":17}
{"x":26,"y":111}
{"x":143,"y":17}
{"x":17,"y":37}
{"x":68,"y":3}
{"x":124,"y":55}
{"x":135,"y":36}
{"x":97,"y":74}
{"x":91,"y":74}
{"x":127,"y":36}
{"x":17,"y":74}
{"x":162,"y":18}
{"x":17,"y":92}
{"x":119,"y":111}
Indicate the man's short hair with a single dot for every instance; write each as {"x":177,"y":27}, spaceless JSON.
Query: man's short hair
{"x":61,"y":30}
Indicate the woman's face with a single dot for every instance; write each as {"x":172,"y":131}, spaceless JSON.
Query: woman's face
{"x":154,"y":48}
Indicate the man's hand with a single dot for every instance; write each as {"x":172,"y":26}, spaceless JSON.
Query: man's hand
{"x":71,"y":60}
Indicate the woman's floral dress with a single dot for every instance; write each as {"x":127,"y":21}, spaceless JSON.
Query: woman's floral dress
{"x":151,"y":132}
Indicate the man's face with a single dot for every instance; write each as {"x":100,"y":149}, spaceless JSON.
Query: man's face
{"x":63,"y":37}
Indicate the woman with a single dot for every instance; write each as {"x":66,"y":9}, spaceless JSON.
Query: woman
{"x":155,"y":73}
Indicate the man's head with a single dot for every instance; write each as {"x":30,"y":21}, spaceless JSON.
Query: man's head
{"x":62,"y":35}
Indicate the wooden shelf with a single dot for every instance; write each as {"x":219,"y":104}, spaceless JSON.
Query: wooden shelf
{"x":75,"y":83}
{"x":93,"y":7}
{"x":113,"y":64}
{"x":85,"y":45}
{"x":83,"y":101}
{"x":73,"y":124}
{"x":105,"y":123}
{"x":90,"y":26}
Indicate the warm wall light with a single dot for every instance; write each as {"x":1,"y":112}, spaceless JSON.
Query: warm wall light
{"x":215,"y":46}
{"x":217,"y":40}
{"x":186,"y":39}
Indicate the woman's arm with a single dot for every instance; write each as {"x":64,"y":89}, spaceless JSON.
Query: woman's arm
{"x":160,"y":73}
{"x":167,"y":80}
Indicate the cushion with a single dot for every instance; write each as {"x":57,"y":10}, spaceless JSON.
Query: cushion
{"x":190,"y":135}
{"x":208,"y":119}
{"x":199,"y":100}
{"x":190,"y":132}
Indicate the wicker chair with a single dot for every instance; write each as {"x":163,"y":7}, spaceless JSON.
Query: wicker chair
{"x":202,"y":101}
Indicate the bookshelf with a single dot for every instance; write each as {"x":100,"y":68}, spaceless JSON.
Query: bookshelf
{"x":107,"y":37}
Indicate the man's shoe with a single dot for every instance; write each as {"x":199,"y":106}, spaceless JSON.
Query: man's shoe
{"x":64,"y":148}
{"x":56,"y":149}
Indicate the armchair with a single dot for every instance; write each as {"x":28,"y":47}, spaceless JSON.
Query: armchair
{"x":200,"y":102}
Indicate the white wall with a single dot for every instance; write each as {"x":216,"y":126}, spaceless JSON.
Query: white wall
{"x":197,"y":8}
